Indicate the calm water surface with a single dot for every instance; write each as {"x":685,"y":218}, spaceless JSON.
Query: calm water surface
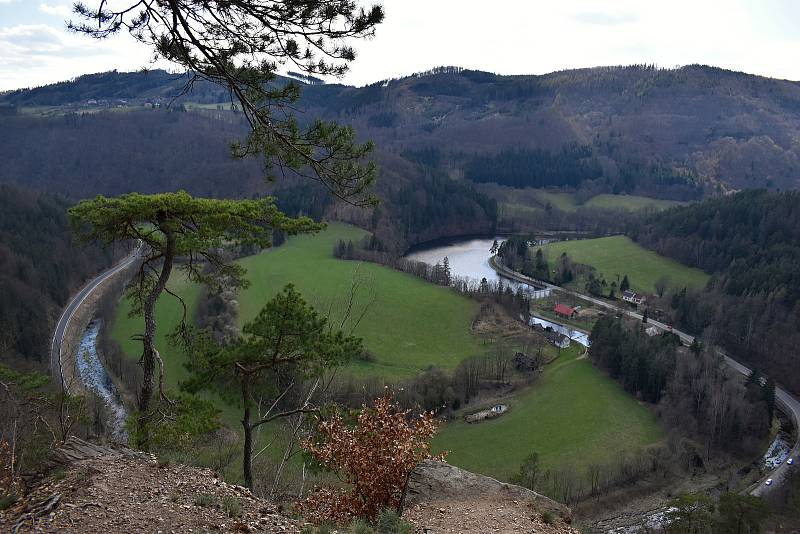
{"x":469,"y":258}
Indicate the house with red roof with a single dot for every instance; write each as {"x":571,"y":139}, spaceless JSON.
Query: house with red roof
{"x":565,"y":311}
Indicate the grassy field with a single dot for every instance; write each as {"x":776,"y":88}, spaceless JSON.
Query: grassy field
{"x":562,"y":201}
{"x":508,"y":209}
{"x":573,"y":416}
{"x":567,"y":202}
{"x":168,"y":315}
{"x":631,"y":202}
{"x":409,"y":325}
{"x":618,"y":255}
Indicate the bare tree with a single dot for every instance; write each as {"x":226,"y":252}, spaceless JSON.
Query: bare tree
{"x":661,"y":285}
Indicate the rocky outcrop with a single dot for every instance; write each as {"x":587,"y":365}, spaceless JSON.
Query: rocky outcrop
{"x":98,"y":489}
{"x":439,"y":482}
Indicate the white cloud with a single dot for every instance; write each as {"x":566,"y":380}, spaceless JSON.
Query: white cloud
{"x":32,"y":40}
{"x":58,"y":10}
{"x":605,"y":18}
{"x":37,"y":54}
{"x":508,"y":37}
{"x":524,"y":37}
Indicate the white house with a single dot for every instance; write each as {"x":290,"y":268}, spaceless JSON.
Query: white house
{"x":632,"y":297}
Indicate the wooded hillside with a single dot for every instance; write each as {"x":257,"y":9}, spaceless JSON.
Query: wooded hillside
{"x":751,"y":242}
{"x":673,"y":133}
{"x":39,"y":268}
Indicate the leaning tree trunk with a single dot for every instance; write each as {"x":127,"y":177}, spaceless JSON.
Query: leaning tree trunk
{"x":247,"y":456}
{"x":149,"y":352}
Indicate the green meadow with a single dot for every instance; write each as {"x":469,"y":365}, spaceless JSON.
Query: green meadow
{"x":573,"y":416}
{"x":619,"y":255}
{"x":407,"y":324}
{"x":630,"y":202}
{"x":567,"y":201}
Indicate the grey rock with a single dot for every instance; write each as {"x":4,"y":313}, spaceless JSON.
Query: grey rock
{"x":434,"y":481}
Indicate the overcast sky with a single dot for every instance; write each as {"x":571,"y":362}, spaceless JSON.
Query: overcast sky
{"x":504,"y":36}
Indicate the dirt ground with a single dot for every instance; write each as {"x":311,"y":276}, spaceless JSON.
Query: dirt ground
{"x":123,"y":493}
{"x":482,"y":516}
{"x":493,"y":322}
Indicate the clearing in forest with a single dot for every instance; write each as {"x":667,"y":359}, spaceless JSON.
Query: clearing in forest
{"x":616,"y":256}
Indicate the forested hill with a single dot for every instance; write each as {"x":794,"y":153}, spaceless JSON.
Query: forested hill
{"x":670,"y":133}
{"x":751,"y":241}
{"x":674,"y":133}
{"x":751,"y":238}
{"x":40,"y":266}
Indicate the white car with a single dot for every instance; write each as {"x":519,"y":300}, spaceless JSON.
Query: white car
{"x":768,"y":482}
{"x":790,"y":461}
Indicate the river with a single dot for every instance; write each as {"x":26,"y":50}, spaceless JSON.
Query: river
{"x":95,"y":378}
{"x":469,"y":258}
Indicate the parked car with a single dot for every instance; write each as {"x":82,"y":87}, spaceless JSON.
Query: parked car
{"x":790,"y":461}
{"x":768,"y":482}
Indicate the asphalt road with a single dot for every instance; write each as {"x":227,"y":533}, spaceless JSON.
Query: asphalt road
{"x":74,"y":305}
{"x":786,"y":402}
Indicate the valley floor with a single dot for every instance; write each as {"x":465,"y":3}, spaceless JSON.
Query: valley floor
{"x":572,"y":416}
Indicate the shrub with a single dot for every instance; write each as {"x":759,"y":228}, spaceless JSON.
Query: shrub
{"x":204,"y":499}
{"x":232,"y":507}
{"x":373,"y":457}
{"x":547,"y":517}
{"x":7,"y":501}
{"x":390,"y":523}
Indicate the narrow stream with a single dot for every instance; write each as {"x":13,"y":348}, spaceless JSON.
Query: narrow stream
{"x":95,"y":378}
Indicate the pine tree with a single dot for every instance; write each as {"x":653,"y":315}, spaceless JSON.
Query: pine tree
{"x":644,"y":316}
{"x":169,"y":226}
{"x":240,"y":46}
{"x":437,"y":273}
{"x":769,"y":397}
{"x":494,"y":248}
{"x":625,"y":285}
{"x":287,"y":342}
{"x":540,"y":266}
{"x":446,"y":277}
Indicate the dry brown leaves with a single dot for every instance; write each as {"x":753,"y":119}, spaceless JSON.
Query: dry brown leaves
{"x":374,"y":458}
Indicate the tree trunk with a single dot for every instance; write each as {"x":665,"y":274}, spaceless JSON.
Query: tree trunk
{"x":247,"y":456}
{"x":148,"y":355}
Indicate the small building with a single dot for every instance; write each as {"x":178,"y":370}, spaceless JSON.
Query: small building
{"x":495,"y":411}
{"x":558,"y":339}
{"x":652,"y":331}
{"x":565,"y":311}
{"x":632,"y":297}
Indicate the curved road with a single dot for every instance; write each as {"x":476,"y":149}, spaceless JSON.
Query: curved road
{"x":785,"y":401}
{"x":74,"y":305}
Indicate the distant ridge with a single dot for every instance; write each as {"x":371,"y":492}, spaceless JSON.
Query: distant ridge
{"x":675,"y":133}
